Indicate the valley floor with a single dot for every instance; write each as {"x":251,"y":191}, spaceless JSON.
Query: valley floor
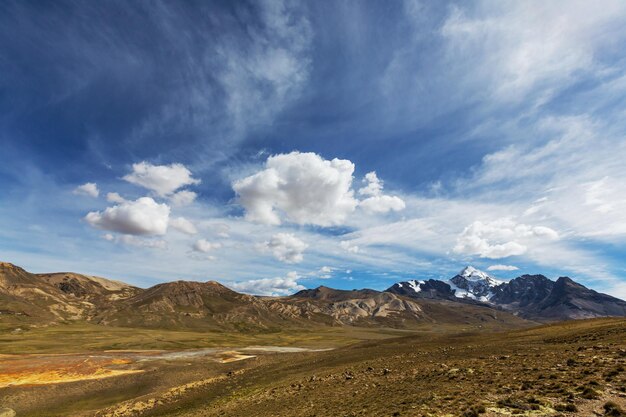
{"x":571,"y":368}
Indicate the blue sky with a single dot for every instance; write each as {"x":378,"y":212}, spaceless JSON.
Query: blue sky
{"x":278,"y":145}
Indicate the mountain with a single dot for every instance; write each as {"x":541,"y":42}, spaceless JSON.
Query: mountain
{"x":331,"y":294}
{"x":470,"y":297}
{"x":89,"y":288}
{"x":470,"y":284}
{"x":431,"y":289}
{"x":533,"y":297}
{"x":43,"y":299}
{"x":474,"y":284}
{"x":569,"y":299}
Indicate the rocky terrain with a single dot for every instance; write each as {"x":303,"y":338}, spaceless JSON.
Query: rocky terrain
{"x":36,"y":299}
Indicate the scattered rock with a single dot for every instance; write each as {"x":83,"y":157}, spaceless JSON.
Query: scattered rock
{"x":7,"y":412}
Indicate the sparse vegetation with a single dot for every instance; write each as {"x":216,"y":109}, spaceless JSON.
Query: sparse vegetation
{"x":406,"y":375}
{"x":566,"y":407}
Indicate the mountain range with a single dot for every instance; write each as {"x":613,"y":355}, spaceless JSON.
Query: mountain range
{"x":533,"y":297}
{"x":472,"y":297}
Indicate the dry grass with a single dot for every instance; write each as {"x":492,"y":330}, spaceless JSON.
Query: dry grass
{"x":574,"y":368}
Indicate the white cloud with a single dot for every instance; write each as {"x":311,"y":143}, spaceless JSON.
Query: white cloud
{"x":89,"y":189}
{"x":286,"y":248}
{"x":382,"y":204}
{"x":601,"y":196}
{"x":324,"y":272}
{"x":502,"y":268}
{"x":349,"y":246}
{"x":183,"y":198}
{"x":162,"y":179}
{"x":270,"y":286}
{"x":183,"y":225}
{"x":374,"y":185}
{"x":141,"y":217}
{"x":204,"y":246}
{"x":141,"y":242}
{"x":302,"y":187}
{"x":500,"y":238}
{"x":222,"y":230}
{"x":130,"y":240}
{"x":115,"y":198}
{"x":377,"y":202}
{"x":516,"y":49}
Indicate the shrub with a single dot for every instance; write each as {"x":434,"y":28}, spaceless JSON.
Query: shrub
{"x":613,"y":410}
{"x":566,"y":407}
{"x":589,"y":394}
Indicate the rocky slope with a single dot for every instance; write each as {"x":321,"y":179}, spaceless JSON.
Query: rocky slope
{"x":59,"y":297}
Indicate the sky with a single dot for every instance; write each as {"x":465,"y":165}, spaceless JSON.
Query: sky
{"x":277,"y":145}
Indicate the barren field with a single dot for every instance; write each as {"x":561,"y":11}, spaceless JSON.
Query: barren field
{"x":572,"y":368}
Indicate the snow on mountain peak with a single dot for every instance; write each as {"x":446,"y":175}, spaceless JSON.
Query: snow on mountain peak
{"x":472,"y":274}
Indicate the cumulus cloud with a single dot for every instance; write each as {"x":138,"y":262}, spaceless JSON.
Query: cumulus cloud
{"x":183,"y":225}
{"x":382,"y":204}
{"x":89,"y":189}
{"x":204,"y":246}
{"x":376,"y":201}
{"x":349,"y":246}
{"x":115,"y":198}
{"x":302,"y":187}
{"x":286,"y":248}
{"x":500,"y":238}
{"x":270,"y":286}
{"x":183,"y":198}
{"x":162,"y":179}
{"x":502,"y":268}
{"x":141,"y":217}
{"x":374,"y":185}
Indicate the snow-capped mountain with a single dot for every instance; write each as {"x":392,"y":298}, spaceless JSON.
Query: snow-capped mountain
{"x":531,"y":296}
{"x":470,"y":283}
{"x":473,"y":283}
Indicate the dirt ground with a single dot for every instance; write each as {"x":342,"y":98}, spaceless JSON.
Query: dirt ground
{"x":573,"y":368}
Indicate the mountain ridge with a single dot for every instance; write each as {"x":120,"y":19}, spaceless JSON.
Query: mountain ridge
{"x":533,"y":297}
{"x":471,"y":296}
{"x":66,"y":297}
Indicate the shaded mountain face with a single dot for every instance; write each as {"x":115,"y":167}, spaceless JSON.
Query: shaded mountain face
{"x":572,"y":300}
{"x":430,"y":289}
{"x":523,"y":291}
{"x":533,"y":297}
{"x":331,"y":294}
